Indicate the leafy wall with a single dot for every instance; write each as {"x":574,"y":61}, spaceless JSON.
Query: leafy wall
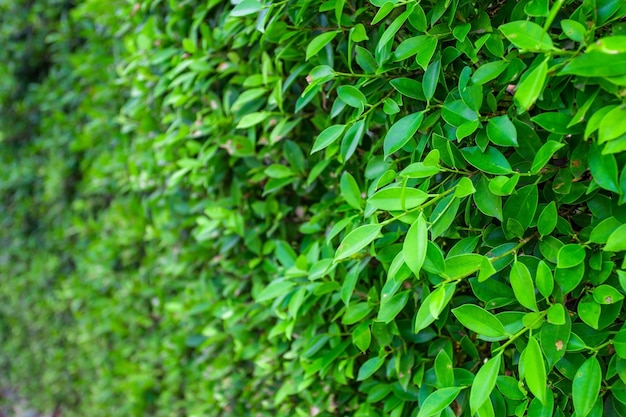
{"x":314,"y":207}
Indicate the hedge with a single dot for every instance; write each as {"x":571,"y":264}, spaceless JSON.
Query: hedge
{"x":314,"y":208}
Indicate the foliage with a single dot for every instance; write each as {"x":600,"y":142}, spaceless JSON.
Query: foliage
{"x":340,"y":207}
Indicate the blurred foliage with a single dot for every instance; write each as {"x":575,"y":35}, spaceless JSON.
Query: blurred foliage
{"x":314,"y":208}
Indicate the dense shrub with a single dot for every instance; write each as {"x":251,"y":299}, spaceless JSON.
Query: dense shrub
{"x":315,"y":207}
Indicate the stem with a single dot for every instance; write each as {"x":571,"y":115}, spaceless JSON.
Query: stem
{"x":553,"y":12}
{"x":515,"y":249}
{"x":520,"y":333}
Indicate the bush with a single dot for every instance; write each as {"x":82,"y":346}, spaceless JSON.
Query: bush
{"x":322,"y":208}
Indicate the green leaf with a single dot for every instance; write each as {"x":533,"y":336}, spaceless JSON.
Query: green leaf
{"x":486,"y":201}
{"x":319,"y":42}
{"x":398,"y":198}
{"x":393,"y":28}
{"x":529,"y":89}
{"x":492,"y":161}
{"x":547,"y":219}
{"x":252,"y":119}
{"x":556,"y":314}
{"x":488,"y":72}
{"x":351,"y":139}
{"x":605,"y":294}
{"x":460,"y":266}
{"x":350,"y":190}
{"x":612,"y":125}
{"x":523,"y":286}
{"x":390,"y":107}
{"x":437,"y":401}
{"x":433,"y":305}
{"x":275,"y":289}
{"x":619,"y":343}
{"x":589,"y":311}
{"x":431,"y":79}
{"x":521,"y":208}
{"x":393,"y":306}
{"x":369,"y":367}
{"x":574,"y":30}
{"x":327,"y":137}
{"x":245,"y":8}
{"x":484,"y":382}
{"x":416,"y":244}
{"x":422,"y":46}
{"x":362,"y":336}
{"x":443,"y":370}
{"x":464,"y":188}
{"x":604,"y":169}
{"x":278,"y":171}
{"x":420,"y":170}
{"x":383,"y":12}
{"x":535,"y":370}
{"x":457,"y":113}
{"x":527,"y":35}
{"x":480,"y":321}
{"x":543,"y":155}
{"x":409,"y":88}
{"x":401,"y":132}
{"x":356,"y":313}
{"x":586,"y":386}
{"x":357,"y":240}
{"x":604,"y":229}
{"x":501,"y":131}
{"x":352,"y":96}
{"x":617,"y":240}
{"x":596,"y":64}
{"x":544,"y":279}
{"x":570,"y":256}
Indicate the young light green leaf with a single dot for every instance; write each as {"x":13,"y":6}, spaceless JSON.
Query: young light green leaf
{"x":544,"y":154}
{"x":535,"y":370}
{"x":401,"y":132}
{"x":501,"y":131}
{"x":596,"y":64}
{"x":547,"y":219}
{"x":327,"y":137}
{"x":492,"y":161}
{"x":357,"y":240}
{"x":433,"y":305}
{"x":350,"y":190}
{"x":606,"y":294}
{"x":393,"y":28}
{"x":246,"y":7}
{"x":416,"y":244}
{"x":574,"y":30}
{"x":544,"y":279}
{"x":436,"y":402}
{"x":570,"y":256}
{"x":530,"y":88}
{"x":393,"y":306}
{"x":586,"y":386}
{"x":484,"y":382}
{"x":460,"y":266}
{"x":319,"y":42}
{"x":464,"y":188}
{"x":480,"y":321}
{"x":369,"y":367}
{"x":523,"y":286}
{"x":352,"y":96}
{"x":420,"y":170}
{"x":527,"y":35}
{"x":397,"y":198}
{"x":488,"y":72}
